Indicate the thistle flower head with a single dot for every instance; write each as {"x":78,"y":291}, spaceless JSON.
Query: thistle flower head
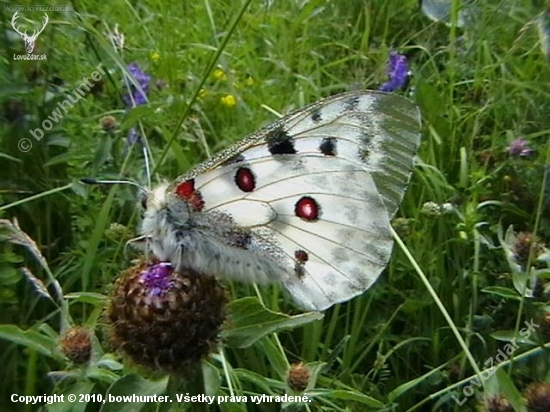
{"x":538,"y":397}
{"x":76,"y":344}
{"x":298,"y":377}
{"x":108,"y":123}
{"x":524,"y":242}
{"x":497,"y":404}
{"x":520,"y":148}
{"x":398,"y":73}
{"x":165,"y":320}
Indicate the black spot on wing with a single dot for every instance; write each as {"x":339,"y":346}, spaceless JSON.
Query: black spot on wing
{"x":280,"y":142}
{"x":328,"y":146}
{"x":364,"y":155}
{"x":352,"y":103}
{"x":238,"y":158}
{"x":316,"y":115}
{"x":299,"y":270}
{"x":365,"y":149}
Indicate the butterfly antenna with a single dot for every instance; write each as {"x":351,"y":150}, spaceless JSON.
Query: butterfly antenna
{"x":145,"y":149}
{"x":92,"y":181}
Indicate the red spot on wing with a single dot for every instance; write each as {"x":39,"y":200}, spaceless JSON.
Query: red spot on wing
{"x":301,"y":255}
{"x":186,"y":191}
{"x":307,"y":208}
{"x":245,"y":180}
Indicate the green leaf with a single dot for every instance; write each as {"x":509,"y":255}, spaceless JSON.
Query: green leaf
{"x":277,"y":359}
{"x":502,"y":292}
{"x":96,"y":299}
{"x":9,"y":275}
{"x":249,"y":321}
{"x":130,"y":385}
{"x":29,"y":338}
{"x":212,"y":379}
{"x":262,"y":383}
{"x":101,"y":374}
{"x":543,"y":25}
{"x":134,"y":115}
{"x":509,"y":390}
{"x":509,"y":336}
{"x":80,"y":388}
{"x":401,"y":389}
{"x":103,"y":152}
{"x":8,"y":157}
{"x":108,"y":361}
{"x":414,"y":305}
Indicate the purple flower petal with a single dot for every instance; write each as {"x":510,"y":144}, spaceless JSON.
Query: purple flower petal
{"x":139,"y":74}
{"x":157,"y":278}
{"x":398,"y":73}
{"x":133,"y":136}
{"x":520,"y":148}
{"x":136,"y":97}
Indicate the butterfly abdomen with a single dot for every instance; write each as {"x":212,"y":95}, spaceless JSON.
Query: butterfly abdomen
{"x":211,"y":255}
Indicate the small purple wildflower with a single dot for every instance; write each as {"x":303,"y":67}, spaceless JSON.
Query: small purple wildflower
{"x":137,"y":97}
{"x":133,"y":136}
{"x":398,"y":73}
{"x":520,"y":148}
{"x":157,"y":278}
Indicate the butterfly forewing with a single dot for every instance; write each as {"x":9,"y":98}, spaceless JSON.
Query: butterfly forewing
{"x":379,"y":131}
{"x":305,"y":201}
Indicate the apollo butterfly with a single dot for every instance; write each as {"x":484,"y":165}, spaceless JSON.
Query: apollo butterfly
{"x":305,"y":201}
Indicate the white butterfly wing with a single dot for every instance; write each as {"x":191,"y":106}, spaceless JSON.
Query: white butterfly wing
{"x":316,"y":191}
{"x":346,"y":248}
{"x":378,"y":131}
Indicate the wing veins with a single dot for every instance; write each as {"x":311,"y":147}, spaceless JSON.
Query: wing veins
{"x":314,"y":254}
{"x":322,"y":237}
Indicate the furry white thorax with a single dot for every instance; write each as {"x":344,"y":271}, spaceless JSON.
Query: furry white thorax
{"x":198,"y":241}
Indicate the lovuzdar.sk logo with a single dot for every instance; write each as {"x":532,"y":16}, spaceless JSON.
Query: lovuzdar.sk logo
{"x":29,"y":40}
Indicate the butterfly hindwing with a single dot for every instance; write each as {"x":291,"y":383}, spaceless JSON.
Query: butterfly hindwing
{"x":342,"y":252}
{"x":306,"y":201}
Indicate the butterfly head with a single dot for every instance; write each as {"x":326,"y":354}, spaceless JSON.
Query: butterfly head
{"x":163,"y":211}
{"x":154,"y":200}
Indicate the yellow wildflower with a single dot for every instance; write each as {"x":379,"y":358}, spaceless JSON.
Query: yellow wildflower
{"x":219,"y":74}
{"x":228,"y":100}
{"x":249,"y":81}
{"x":155,"y":56}
{"x":203,"y":93}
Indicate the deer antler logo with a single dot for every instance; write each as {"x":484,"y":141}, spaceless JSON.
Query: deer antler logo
{"x":29,"y":40}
